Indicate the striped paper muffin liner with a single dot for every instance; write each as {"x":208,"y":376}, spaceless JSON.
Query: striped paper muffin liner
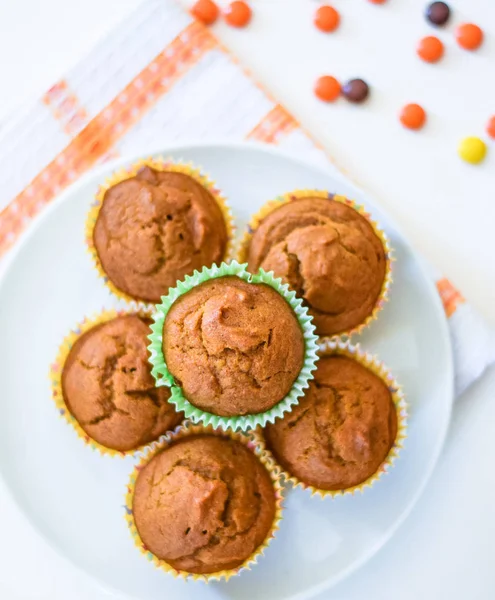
{"x":371,"y":362}
{"x":187,"y":429}
{"x":56,"y":370}
{"x":271,"y":205}
{"x":164,"y":165}
{"x":164,"y":377}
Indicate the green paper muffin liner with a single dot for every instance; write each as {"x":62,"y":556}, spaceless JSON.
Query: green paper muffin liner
{"x":164,"y":377}
{"x":331,"y":347}
{"x":155,"y":448}
{"x":277,"y":202}
{"x":159,"y":164}
{"x":56,"y":370}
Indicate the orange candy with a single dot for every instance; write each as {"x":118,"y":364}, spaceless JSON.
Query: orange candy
{"x":327,"y":88}
{"x":469,"y":36}
{"x":430,"y":49}
{"x":378,"y":1}
{"x":413,"y":116}
{"x":490,"y":127}
{"x":327,"y":19}
{"x":205,"y":11}
{"x":238,"y":14}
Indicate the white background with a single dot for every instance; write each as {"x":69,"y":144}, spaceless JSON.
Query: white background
{"x":445,"y":207}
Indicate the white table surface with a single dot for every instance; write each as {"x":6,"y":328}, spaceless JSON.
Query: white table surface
{"x":445,"y":207}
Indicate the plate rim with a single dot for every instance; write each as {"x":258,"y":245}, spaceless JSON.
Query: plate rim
{"x":192,"y":145}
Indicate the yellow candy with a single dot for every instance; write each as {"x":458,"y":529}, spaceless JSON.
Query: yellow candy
{"x":472,"y":150}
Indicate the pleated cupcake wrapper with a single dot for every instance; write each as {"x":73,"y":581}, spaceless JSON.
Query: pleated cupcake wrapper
{"x":186,"y":429}
{"x":164,"y":377}
{"x":57,"y":367}
{"x":159,"y":165}
{"x":329,"y":348}
{"x":272,"y":205}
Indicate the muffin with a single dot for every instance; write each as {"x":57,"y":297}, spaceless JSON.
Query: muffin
{"x":234,"y":347}
{"x":108,"y":387}
{"x":328,"y":253}
{"x":154,"y":227}
{"x":342,"y":430}
{"x":204,"y":504}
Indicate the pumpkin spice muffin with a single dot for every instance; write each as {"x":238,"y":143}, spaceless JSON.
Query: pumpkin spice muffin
{"x":204,"y":504}
{"x":328,"y":253}
{"x":108,"y":387}
{"x":153,"y":228}
{"x":234,"y":347}
{"x":342,"y":429}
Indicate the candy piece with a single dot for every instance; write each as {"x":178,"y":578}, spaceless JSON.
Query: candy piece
{"x":469,"y":36}
{"x":430,"y":49}
{"x":378,"y":1}
{"x":356,"y":90}
{"x":327,"y":19}
{"x":205,"y":11}
{"x":238,"y":14}
{"x":437,"y":13}
{"x":472,"y":150}
{"x":490,"y":127}
{"x":327,"y":88}
{"x":413,"y":116}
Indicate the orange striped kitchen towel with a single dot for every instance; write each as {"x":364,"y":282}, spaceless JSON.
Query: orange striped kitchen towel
{"x":162,"y":76}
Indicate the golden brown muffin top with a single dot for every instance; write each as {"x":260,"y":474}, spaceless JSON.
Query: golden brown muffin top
{"x":234,"y":347}
{"x":156,"y":227}
{"x":108,"y":387}
{"x":329,"y":255}
{"x":342,"y":429}
{"x":204,"y":504}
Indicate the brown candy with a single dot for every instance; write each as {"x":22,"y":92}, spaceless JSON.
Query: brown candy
{"x":438,"y":13}
{"x":356,"y":90}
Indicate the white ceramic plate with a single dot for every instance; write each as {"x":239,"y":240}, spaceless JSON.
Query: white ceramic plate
{"x":74,"y":497}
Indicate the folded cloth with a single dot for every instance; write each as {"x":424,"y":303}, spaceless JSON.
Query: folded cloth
{"x":162,"y":75}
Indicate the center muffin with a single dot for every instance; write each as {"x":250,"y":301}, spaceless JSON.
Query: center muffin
{"x":108,"y":387}
{"x":329,"y":254}
{"x":154,"y":228}
{"x":204,"y":504}
{"x":234,"y":347}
